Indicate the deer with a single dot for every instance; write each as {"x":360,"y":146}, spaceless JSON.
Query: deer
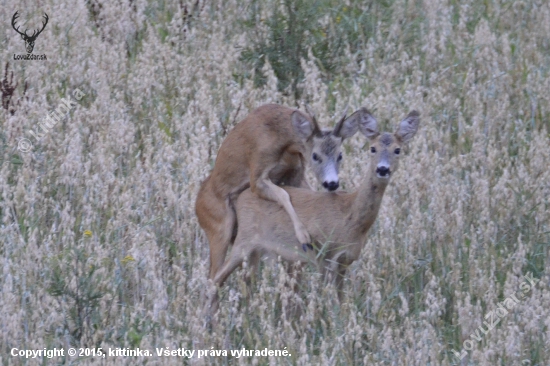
{"x":338,"y":221}
{"x":268,"y":149}
{"x":29,"y":40}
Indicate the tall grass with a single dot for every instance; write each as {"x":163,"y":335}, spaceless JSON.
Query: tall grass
{"x":99,"y":243}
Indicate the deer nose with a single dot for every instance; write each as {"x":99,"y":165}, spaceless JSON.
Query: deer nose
{"x":331,"y":186}
{"x":383,"y":171}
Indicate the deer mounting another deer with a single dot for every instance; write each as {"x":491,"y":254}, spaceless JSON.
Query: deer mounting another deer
{"x":269,"y":148}
{"x":337,"y":221}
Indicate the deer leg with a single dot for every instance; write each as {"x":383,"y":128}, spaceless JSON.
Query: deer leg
{"x":339,"y":281}
{"x":253,"y":262}
{"x":235,"y":259}
{"x":222,"y":239}
{"x":266,"y":189}
{"x":335,"y":272}
{"x":218,"y":219}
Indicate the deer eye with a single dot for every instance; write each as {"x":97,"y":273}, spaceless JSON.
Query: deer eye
{"x":316,"y":157}
{"x":373,"y":149}
{"x":339,"y":156}
{"x":397,"y":151}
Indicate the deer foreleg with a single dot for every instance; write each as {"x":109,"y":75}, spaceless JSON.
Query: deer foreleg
{"x":266,"y":189}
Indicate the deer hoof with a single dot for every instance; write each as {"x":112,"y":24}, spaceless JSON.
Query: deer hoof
{"x":301,"y":234}
{"x":304,"y":247}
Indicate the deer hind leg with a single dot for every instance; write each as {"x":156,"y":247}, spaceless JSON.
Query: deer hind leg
{"x":235,"y":259}
{"x":222,"y":238}
{"x":218,"y":219}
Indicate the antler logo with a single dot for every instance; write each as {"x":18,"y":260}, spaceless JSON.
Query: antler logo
{"x":29,"y":40}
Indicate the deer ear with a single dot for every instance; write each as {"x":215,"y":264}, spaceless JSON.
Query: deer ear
{"x":408,"y":127}
{"x":365,"y":122}
{"x":346,"y":127}
{"x":302,"y":126}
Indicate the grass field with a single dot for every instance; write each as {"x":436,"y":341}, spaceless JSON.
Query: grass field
{"x":99,"y":243}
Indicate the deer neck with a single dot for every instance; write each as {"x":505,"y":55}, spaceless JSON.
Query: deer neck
{"x":367,"y":201}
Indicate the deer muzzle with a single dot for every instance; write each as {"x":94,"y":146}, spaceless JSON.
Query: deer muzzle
{"x":330,"y":178}
{"x":383,"y":171}
{"x":331,"y":186}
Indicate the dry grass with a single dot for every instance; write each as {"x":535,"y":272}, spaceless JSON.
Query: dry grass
{"x":99,"y":244}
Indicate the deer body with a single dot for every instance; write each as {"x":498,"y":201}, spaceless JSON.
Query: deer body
{"x":270,"y":147}
{"x":268,"y":230}
{"x":285,"y":149}
{"x":338,"y":222}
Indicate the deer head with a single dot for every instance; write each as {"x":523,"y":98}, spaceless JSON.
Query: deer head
{"x":385,"y":147}
{"x":29,"y":40}
{"x":323,"y":147}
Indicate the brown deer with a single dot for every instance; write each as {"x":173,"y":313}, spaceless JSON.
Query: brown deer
{"x":270,"y":147}
{"x":337,"y":221}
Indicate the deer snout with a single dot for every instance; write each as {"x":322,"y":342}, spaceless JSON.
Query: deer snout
{"x":330,"y":177}
{"x":331,"y":186}
{"x":383,"y":171}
